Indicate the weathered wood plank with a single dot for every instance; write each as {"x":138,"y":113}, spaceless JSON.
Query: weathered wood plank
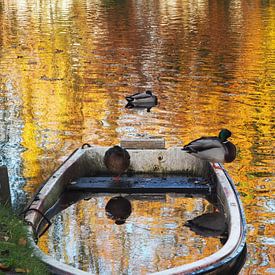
{"x":142,"y":185}
{"x":143,"y":143}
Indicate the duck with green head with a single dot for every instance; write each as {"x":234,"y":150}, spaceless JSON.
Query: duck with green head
{"x":213,"y":149}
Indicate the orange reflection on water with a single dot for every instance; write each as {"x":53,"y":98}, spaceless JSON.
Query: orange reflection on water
{"x":67,"y":66}
{"x":153,"y":238}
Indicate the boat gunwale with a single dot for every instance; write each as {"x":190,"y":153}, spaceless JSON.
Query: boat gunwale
{"x":207,"y":264}
{"x":202,"y":266}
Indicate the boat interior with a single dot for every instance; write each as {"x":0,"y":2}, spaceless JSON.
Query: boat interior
{"x":152,"y":172}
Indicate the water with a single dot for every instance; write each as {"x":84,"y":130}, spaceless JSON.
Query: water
{"x":153,"y":238}
{"x":66,"y":66}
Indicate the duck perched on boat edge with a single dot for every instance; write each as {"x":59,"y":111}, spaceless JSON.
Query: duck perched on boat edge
{"x":213,"y":149}
{"x":117,"y":160}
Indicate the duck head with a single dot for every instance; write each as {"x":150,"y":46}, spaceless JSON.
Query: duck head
{"x":224,"y":134}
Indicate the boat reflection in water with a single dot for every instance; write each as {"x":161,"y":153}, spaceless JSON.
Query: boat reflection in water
{"x":118,"y":208}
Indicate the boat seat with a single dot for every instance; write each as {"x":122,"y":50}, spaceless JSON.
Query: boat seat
{"x":133,"y":185}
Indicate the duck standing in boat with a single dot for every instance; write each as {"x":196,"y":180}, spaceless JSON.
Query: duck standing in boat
{"x":145,"y":100}
{"x":117,"y":161}
{"x":213,"y":149}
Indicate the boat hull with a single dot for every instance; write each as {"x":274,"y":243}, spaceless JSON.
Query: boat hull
{"x":88,"y":162}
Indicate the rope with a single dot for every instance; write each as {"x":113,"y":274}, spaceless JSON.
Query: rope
{"x":32,"y":225}
{"x":84,"y":145}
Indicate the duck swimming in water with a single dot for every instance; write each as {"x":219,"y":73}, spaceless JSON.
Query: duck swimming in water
{"x":117,"y":161}
{"x":142,"y":100}
{"x":213,"y":149}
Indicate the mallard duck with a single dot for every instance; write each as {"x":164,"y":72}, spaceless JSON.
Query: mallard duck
{"x":117,"y":160}
{"x":141,"y":98}
{"x":213,"y":149}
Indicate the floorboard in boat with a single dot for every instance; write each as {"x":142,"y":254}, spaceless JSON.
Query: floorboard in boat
{"x":133,"y":185}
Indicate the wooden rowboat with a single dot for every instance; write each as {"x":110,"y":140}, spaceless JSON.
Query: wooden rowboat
{"x":86,"y":163}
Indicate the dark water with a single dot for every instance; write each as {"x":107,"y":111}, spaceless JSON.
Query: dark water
{"x":66,"y":66}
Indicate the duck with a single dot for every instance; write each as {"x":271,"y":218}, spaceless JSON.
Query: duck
{"x":141,"y":98}
{"x":145,"y":100}
{"x":213,"y":149}
{"x":117,"y":161}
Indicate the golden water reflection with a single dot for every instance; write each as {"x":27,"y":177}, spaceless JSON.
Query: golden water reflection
{"x":153,"y":238}
{"x":66,"y":66}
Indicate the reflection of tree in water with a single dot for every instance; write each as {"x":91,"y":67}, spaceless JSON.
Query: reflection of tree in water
{"x":118,"y":209}
{"x":10,"y":142}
